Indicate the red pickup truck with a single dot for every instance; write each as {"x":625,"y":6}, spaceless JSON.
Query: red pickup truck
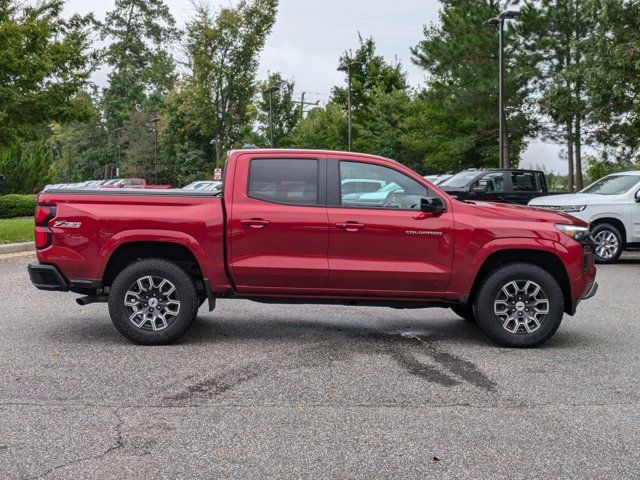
{"x":282,"y":231}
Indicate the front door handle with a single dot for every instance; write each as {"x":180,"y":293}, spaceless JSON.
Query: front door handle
{"x":350,"y":226}
{"x":255,"y":222}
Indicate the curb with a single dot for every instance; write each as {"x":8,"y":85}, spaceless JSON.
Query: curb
{"x":17,"y":247}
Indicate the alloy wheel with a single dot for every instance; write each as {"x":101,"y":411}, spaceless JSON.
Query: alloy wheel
{"x":607,"y":244}
{"x":521,"y":306}
{"x":152,"y":303}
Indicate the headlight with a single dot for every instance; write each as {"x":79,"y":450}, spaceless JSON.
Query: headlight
{"x":573,"y":231}
{"x":572,"y":208}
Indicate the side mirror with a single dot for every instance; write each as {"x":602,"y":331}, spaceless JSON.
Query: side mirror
{"x":638,"y":196}
{"x":481,"y":187}
{"x":432,"y":205}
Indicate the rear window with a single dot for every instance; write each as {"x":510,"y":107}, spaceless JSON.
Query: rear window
{"x":524,"y":182}
{"x":287,"y":181}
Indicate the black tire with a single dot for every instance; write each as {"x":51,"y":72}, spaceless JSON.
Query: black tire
{"x":605,"y":229}
{"x":184,"y":293}
{"x":465,"y":311}
{"x":490,"y":292}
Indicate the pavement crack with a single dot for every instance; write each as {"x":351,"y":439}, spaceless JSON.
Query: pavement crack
{"x":119,"y":443}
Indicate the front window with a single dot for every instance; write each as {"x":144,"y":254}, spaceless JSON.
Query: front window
{"x":613,"y":185}
{"x":398,"y":192}
{"x":461,"y":179}
{"x":494,"y":181}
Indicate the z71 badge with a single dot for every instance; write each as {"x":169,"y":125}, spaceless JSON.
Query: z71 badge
{"x":65,"y":224}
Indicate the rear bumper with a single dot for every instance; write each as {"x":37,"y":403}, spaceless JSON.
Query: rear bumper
{"x":47,"y":277}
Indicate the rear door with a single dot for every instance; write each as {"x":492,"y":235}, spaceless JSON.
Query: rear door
{"x":380,"y":243}
{"x":278,"y":227}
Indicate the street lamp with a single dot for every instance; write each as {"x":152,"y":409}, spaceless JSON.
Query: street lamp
{"x":346,"y":67}
{"x":118,"y":130}
{"x":270,"y":90}
{"x":155,"y":121}
{"x":498,"y":22}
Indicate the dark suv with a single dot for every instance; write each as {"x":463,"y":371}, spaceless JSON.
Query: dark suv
{"x":497,"y":185}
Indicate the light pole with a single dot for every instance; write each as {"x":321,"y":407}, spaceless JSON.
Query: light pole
{"x":155,"y":121}
{"x":498,"y":22}
{"x":270,"y":90}
{"x":346,"y":67}
{"x":118,"y":130}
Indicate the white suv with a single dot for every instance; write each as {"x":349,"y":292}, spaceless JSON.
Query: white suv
{"x":612,"y":207}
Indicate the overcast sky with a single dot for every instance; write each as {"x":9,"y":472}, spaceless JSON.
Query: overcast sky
{"x":310,"y":35}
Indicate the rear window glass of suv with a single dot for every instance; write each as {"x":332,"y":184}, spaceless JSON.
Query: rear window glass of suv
{"x":613,"y":185}
{"x":287,"y":181}
{"x":524,"y":182}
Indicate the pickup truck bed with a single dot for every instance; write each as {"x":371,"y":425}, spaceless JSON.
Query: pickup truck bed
{"x":282,"y":231}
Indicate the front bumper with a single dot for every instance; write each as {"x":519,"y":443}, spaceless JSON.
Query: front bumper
{"x":590,"y":292}
{"x":47,"y":277}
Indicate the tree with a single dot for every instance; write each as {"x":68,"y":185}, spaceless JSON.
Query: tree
{"x":323,"y":128}
{"x":211,"y":105}
{"x":373,"y":78}
{"x":612,"y":76}
{"x":45,"y":62}
{"x":284,"y":110}
{"x":460,"y":57}
{"x":142,"y":70}
{"x":556,"y":32}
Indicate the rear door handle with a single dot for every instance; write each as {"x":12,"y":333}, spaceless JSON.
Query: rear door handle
{"x":350,"y":226}
{"x":255,"y":222}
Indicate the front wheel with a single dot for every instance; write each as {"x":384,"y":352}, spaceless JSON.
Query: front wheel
{"x":609,"y":243}
{"x":153,"y":302}
{"x":519,"y":305}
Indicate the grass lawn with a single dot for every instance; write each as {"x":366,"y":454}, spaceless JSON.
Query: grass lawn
{"x":14,"y":230}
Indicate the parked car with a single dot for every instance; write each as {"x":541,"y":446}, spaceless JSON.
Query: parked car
{"x":611,"y":206}
{"x":133,"y":183}
{"x":360,"y":185}
{"x":200,"y":184}
{"x":282,"y":232}
{"x":437,"y":179}
{"x":497,"y":185}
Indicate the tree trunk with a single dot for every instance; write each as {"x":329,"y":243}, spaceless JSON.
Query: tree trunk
{"x":218,"y":147}
{"x":570,"y":184}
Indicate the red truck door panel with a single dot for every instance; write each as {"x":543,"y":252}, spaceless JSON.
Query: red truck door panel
{"x":380,"y":242}
{"x":278,"y":227}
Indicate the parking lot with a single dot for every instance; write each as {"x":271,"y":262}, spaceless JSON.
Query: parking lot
{"x":263,"y":391}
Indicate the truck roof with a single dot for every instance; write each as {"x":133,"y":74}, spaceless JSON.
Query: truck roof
{"x":311,"y":151}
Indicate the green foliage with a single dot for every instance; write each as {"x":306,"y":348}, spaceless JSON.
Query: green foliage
{"x":612,"y":78}
{"x":222,"y":51}
{"x":375,"y":77}
{"x":323,"y":128}
{"x":286,"y":113}
{"x":460,"y":56}
{"x":44,"y":63}
{"x":26,"y":167}
{"x":14,"y":205}
{"x":143,"y":72}
{"x":15,"y":230}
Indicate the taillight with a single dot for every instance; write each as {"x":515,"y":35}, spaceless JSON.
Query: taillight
{"x":43,"y":214}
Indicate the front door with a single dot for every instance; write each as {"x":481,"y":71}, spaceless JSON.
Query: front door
{"x":278,"y":230}
{"x":380,"y":243}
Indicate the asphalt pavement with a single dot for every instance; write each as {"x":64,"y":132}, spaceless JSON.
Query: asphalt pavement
{"x":270,"y":391}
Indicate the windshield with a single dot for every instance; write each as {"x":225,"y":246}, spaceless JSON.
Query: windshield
{"x":613,"y":185}
{"x":461,"y":179}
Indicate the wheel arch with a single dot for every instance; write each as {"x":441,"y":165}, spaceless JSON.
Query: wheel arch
{"x":544,"y":259}
{"x":130,"y":252}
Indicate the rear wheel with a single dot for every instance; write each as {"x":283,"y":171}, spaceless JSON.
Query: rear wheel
{"x":465,"y":312}
{"x":609,"y":243}
{"x":519,"y":305}
{"x":153,"y":302}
